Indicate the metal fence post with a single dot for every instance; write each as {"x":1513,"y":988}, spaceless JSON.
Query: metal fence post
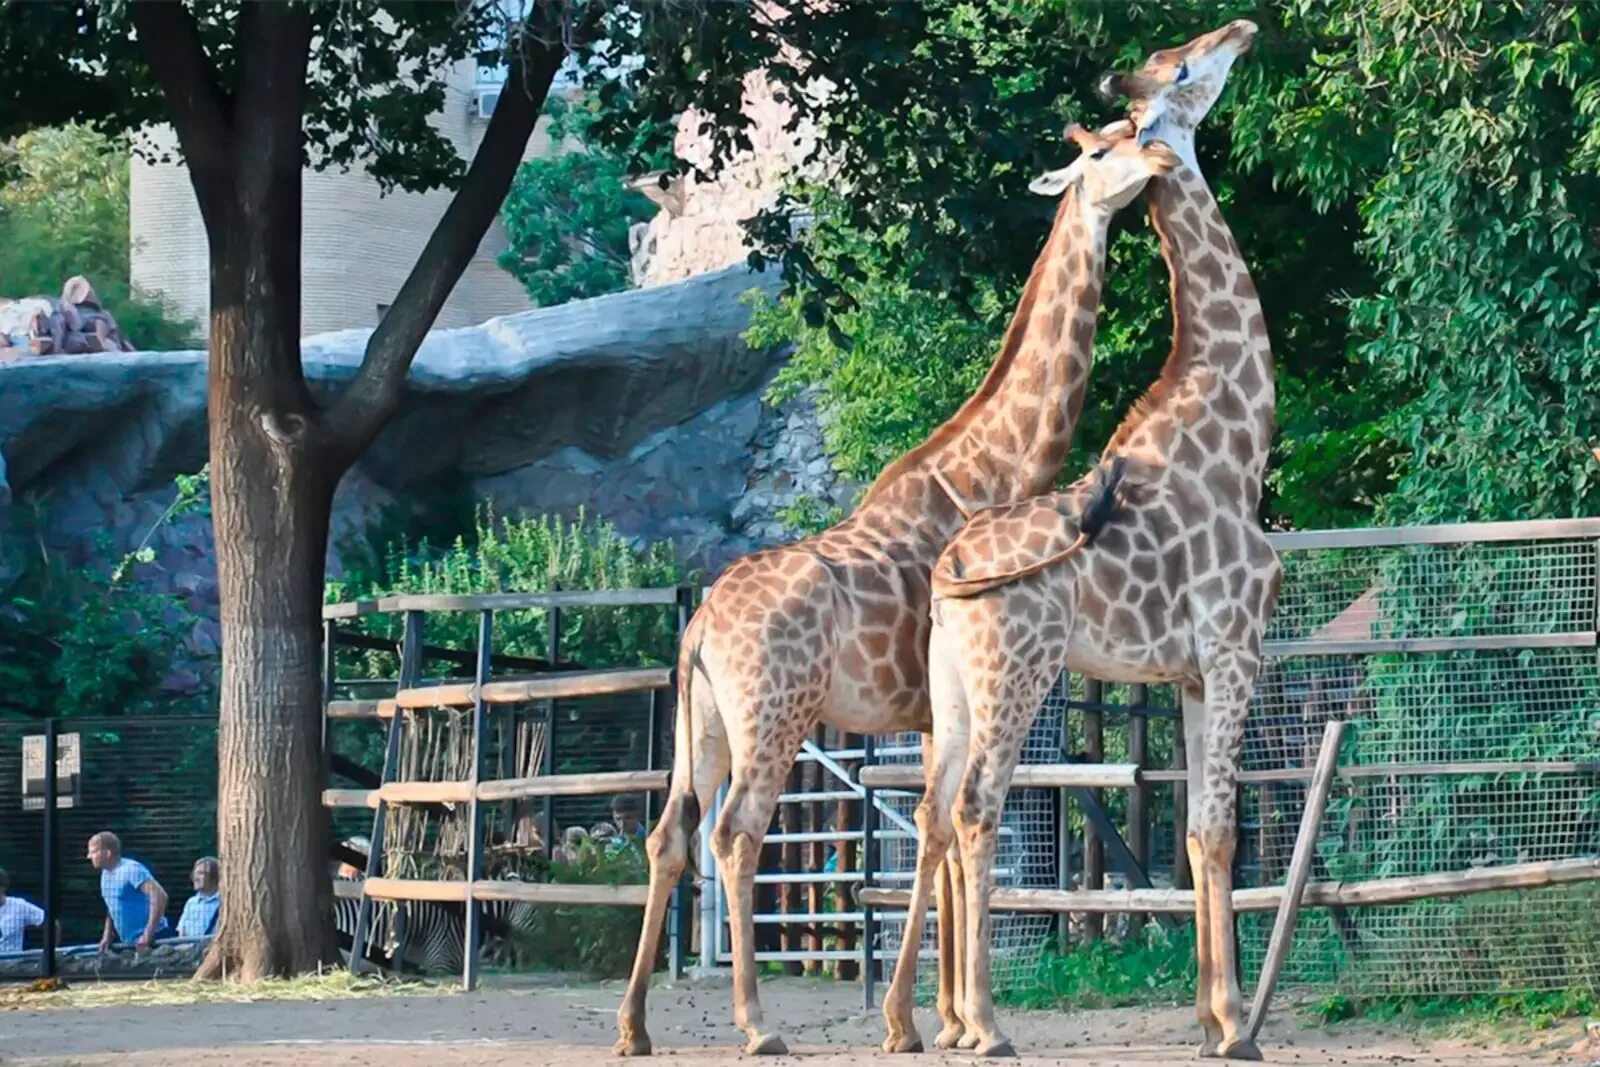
{"x":51,"y":849}
{"x":410,"y":669}
{"x":869,"y":866}
{"x":473,"y":934}
{"x":553,"y":654}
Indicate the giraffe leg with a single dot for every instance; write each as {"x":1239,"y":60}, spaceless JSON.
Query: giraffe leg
{"x":977,"y":812}
{"x":935,"y":833}
{"x":958,"y":1031}
{"x":951,"y":959}
{"x":736,"y":842}
{"x":668,"y":851}
{"x":1228,"y":686}
{"x":1194,"y":734}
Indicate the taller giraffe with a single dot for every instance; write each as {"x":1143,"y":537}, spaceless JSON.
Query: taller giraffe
{"x":835,"y":628}
{"x":1155,"y":569}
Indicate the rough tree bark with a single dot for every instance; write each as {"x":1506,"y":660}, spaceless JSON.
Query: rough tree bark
{"x":275,"y":457}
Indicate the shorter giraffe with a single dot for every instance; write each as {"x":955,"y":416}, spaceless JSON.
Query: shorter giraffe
{"x":1153,"y":569}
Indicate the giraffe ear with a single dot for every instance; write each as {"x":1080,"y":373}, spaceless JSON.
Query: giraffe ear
{"x":1051,"y":183}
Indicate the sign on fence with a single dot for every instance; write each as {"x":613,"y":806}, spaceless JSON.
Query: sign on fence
{"x":68,"y":766}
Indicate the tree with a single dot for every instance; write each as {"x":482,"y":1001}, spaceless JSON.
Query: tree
{"x":64,"y":211}
{"x":941,"y":112}
{"x":568,"y":215}
{"x":254,"y":92}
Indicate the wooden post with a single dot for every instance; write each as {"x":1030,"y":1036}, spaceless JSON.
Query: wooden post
{"x":683,"y":906}
{"x":1094,"y":751}
{"x":472,"y":936}
{"x":789,"y":893}
{"x":1064,"y":817}
{"x":1305,"y":848}
{"x":1139,"y":797}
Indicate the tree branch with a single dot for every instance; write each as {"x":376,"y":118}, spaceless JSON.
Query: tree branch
{"x":372,"y":396}
{"x":198,"y":107}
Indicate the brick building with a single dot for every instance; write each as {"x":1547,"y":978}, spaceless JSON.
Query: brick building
{"x":357,"y":245}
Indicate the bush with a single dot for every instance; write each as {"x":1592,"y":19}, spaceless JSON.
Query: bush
{"x":597,"y":941}
{"x":521,"y":555}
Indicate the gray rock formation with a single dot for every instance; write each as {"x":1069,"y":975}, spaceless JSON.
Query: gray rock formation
{"x":644,"y":406}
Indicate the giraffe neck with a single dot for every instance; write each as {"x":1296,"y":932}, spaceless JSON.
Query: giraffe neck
{"x":1219,"y":373}
{"x":1010,"y":439}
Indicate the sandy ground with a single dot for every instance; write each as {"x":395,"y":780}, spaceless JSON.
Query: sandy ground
{"x":574,"y":1027}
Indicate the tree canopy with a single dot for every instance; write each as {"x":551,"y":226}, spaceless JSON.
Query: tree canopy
{"x":1413,"y":189}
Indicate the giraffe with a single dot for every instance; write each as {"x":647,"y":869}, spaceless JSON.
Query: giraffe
{"x":834,"y":628}
{"x":1153,"y":568}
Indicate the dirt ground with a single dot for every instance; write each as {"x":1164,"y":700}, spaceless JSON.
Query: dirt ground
{"x":527,"y":1024}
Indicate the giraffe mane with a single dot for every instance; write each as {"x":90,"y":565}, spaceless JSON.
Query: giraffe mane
{"x":1010,"y":346}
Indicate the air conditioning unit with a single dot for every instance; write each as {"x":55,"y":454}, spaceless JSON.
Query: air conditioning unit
{"x":484,"y":101}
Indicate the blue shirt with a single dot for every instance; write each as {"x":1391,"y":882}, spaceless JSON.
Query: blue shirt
{"x":199,"y":916}
{"x":126,"y":903}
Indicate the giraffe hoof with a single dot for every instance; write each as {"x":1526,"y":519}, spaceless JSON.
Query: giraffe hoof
{"x":907,"y":1042}
{"x":968,"y":1040}
{"x":1242,"y":1049}
{"x":636,"y":1044}
{"x":766,"y":1045}
{"x":1207,"y":1049}
{"x":998,"y":1048}
{"x":950,"y":1037}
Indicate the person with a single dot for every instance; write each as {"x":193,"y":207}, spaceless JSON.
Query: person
{"x":199,"y":918}
{"x":136,"y":904}
{"x":16,"y":915}
{"x":628,"y":815}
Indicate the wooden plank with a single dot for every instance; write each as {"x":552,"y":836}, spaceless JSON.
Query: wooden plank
{"x":545,"y":687}
{"x":1387,"y":645}
{"x":350,"y":798}
{"x":1442,"y":534}
{"x":1305,"y":849}
{"x":562,"y":893}
{"x":357,"y":709}
{"x":576,"y":598}
{"x":1317,"y":894}
{"x":574,"y":785}
{"x":1033,"y":776}
{"x":1402,"y":770}
{"x":414,"y":889}
{"x":425,"y":793}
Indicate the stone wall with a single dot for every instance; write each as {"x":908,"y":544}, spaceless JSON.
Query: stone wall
{"x":645,"y":408}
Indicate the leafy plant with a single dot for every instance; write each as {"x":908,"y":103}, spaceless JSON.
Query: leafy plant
{"x":568,"y":214}
{"x":595,"y":940}
{"x":64,"y":211}
{"x":523,"y":555}
{"x":1157,"y":965}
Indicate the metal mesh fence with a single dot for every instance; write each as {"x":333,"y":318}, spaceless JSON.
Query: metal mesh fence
{"x":151,"y":781}
{"x":1437,"y":654}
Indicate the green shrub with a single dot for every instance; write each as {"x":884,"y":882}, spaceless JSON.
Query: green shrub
{"x":519,"y":555}
{"x":597,"y":941}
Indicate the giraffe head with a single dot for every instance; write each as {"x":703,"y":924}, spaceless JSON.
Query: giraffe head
{"x":1173,"y":92}
{"x":1112,"y":170}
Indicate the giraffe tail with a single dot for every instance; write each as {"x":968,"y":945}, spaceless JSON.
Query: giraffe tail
{"x":689,"y":813}
{"x":1098,"y":512}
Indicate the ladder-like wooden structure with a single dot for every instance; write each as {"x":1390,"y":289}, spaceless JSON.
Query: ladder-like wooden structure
{"x":485,"y":695}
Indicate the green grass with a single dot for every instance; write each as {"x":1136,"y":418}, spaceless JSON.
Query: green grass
{"x":1157,"y":967}
{"x":1500,"y":1018}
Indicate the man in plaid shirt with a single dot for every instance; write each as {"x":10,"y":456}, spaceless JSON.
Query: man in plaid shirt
{"x":136,"y":905}
{"x":16,"y":915}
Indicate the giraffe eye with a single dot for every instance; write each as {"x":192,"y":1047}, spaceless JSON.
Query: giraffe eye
{"x":1099,"y":153}
{"x":1183,"y":73}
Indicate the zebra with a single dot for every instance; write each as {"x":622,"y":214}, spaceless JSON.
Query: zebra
{"x":428,"y":936}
